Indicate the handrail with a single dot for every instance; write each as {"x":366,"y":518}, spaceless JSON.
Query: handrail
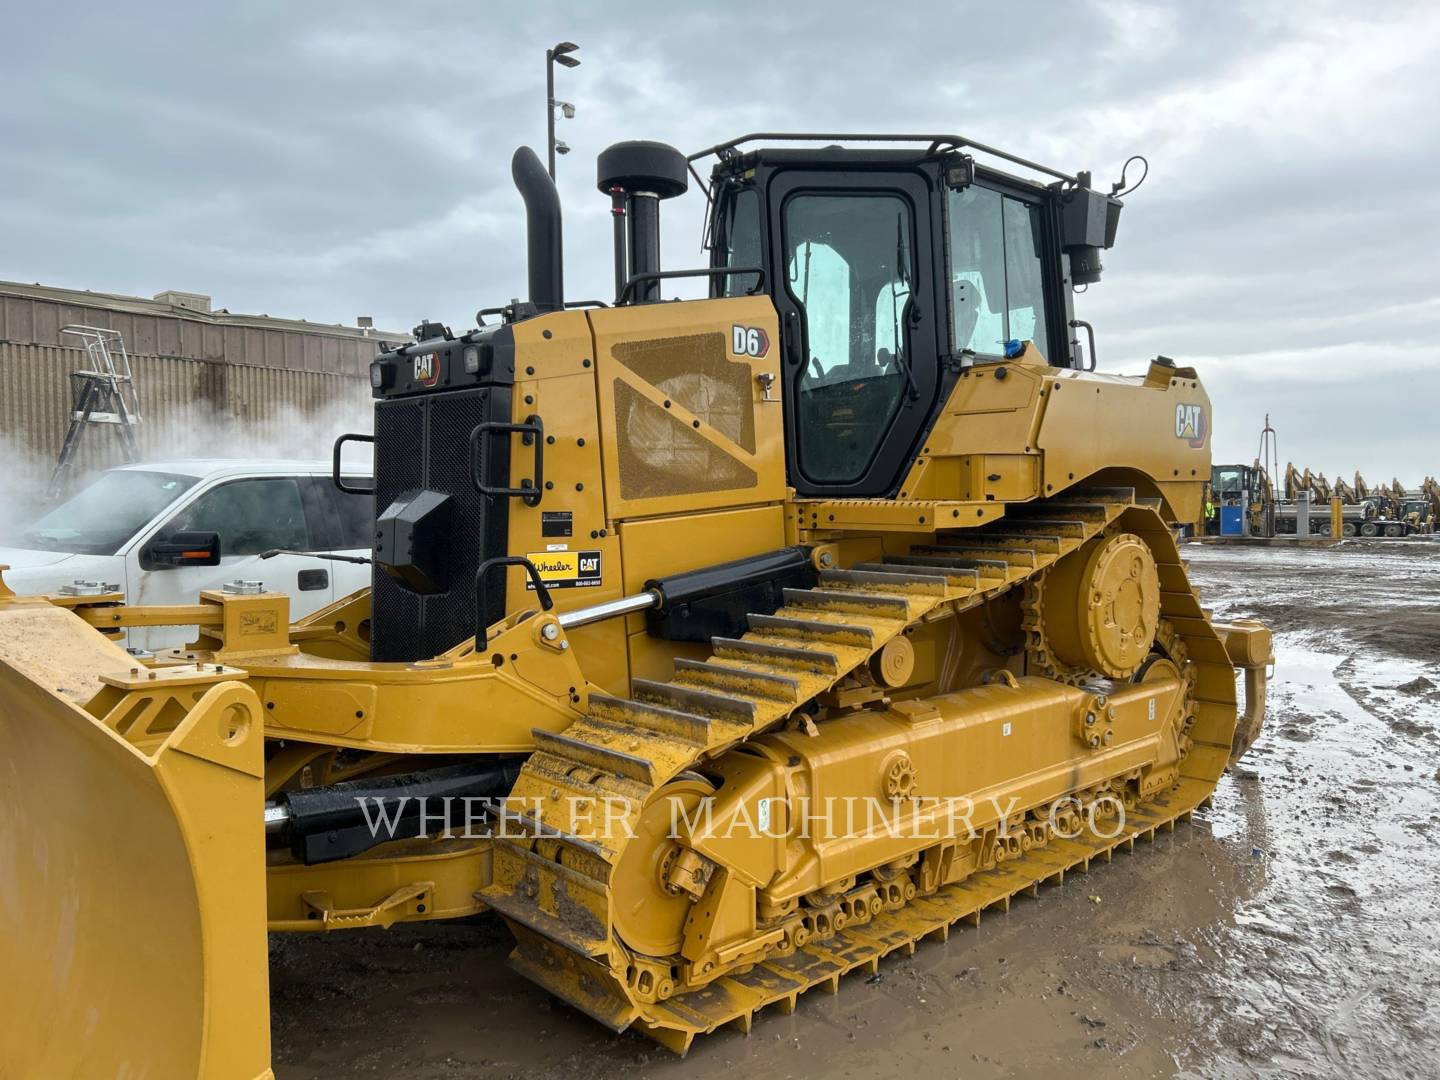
{"x":710,"y":271}
{"x":935,"y":143}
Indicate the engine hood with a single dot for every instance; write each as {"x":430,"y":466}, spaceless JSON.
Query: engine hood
{"x":27,"y":558}
{"x":33,"y":572}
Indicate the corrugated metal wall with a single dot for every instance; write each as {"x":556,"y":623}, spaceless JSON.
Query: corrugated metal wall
{"x":232,"y":339}
{"x":189,"y":408}
{"x":210,"y":384}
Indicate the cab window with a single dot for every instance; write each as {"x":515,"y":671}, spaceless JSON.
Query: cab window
{"x":1228,"y":481}
{"x":849,"y":263}
{"x":738,"y":240}
{"x":251,"y":516}
{"x":997,"y":272}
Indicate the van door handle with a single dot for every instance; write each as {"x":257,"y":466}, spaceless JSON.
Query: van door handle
{"x":310,"y":580}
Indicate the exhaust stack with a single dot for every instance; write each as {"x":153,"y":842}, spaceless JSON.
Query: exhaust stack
{"x":542,"y":230}
{"x":637,"y":175}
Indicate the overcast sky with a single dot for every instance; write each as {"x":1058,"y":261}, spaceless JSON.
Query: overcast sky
{"x":326,"y":161}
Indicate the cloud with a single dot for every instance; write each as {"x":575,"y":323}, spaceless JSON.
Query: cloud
{"x":327,"y":160}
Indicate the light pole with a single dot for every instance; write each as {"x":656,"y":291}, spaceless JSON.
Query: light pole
{"x":557,"y":54}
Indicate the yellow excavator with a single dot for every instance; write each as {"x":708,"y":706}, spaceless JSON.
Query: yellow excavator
{"x":1422,"y":509}
{"x":1391,"y":511}
{"x":1358,"y":505}
{"x":1316,"y":485}
{"x":722,"y":646}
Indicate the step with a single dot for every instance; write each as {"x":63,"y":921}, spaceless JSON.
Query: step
{"x":1030,"y":526}
{"x":597,"y":757}
{"x":989,"y":570}
{"x":854,"y":603}
{"x":680,"y":723}
{"x":598,"y":784}
{"x":814,"y":661}
{"x":1018,"y":557}
{"x":881,"y":580}
{"x":861,"y":637}
{"x":737,"y":680}
{"x":954,"y":577}
{"x":519,"y":821}
{"x":1037,"y":542}
{"x":1094,"y":513}
{"x":688,"y":700}
{"x":1122,"y":495}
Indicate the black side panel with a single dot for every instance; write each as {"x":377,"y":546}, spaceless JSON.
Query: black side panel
{"x":714,"y":601}
{"x":421,"y":443}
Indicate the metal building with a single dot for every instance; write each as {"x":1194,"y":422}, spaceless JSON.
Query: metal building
{"x":209,"y":382}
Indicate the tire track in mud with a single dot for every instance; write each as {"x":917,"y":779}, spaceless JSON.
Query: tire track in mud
{"x":1332,"y":968}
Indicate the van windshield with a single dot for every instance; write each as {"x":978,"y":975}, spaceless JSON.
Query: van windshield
{"x":99,"y":518}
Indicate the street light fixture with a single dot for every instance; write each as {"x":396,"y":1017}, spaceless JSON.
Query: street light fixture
{"x":557,"y":54}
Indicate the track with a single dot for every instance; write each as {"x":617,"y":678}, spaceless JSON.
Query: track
{"x":552,"y":875}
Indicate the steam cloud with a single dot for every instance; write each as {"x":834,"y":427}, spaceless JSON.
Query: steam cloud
{"x":193,"y":430}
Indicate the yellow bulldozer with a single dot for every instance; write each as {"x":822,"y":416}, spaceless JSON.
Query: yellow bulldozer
{"x":722,"y":647}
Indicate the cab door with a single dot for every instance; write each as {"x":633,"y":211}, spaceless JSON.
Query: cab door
{"x":853,"y":267}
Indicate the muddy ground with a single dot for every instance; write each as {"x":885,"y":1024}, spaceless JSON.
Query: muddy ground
{"x":1293,"y":931}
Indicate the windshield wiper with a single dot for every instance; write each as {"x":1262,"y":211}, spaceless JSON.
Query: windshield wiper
{"x":902,"y":268}
{"x":331,"y":555}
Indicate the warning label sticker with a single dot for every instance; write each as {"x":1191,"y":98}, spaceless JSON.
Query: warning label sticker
{"x":565,"y":569}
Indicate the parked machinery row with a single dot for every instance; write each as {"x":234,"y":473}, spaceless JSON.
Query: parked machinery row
{"x":1243,"y":502}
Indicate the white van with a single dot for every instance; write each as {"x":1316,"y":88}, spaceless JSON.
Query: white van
{"x":121,"y":529}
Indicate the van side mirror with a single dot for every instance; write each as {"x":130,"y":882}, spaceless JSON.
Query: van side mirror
{"x":183,"y":549}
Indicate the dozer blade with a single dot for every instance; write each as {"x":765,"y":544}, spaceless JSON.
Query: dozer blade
{"x":132,"y":885}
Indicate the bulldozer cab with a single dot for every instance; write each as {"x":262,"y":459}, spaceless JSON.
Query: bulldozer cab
{"x":892,"y":271}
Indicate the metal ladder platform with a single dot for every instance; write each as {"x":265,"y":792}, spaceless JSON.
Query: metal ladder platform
{"x":102,"y":393}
